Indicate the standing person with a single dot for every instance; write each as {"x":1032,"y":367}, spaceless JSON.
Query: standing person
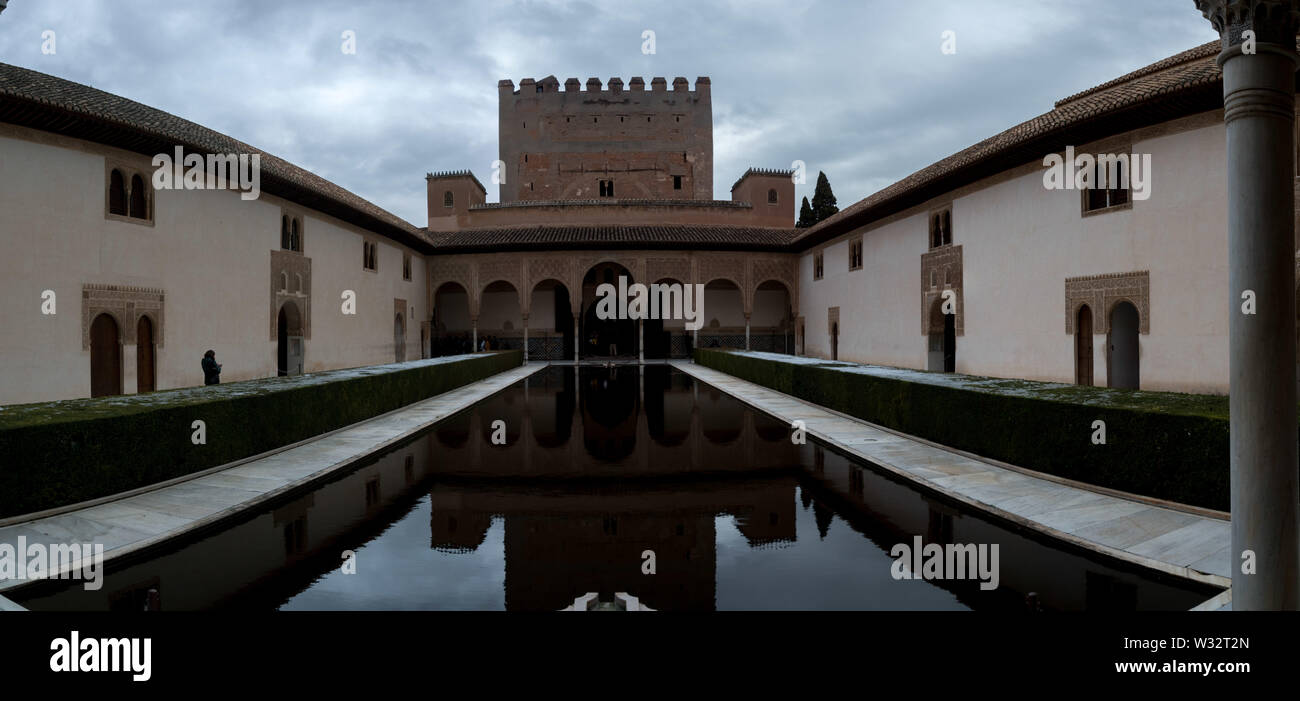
{"x":211,"y":369}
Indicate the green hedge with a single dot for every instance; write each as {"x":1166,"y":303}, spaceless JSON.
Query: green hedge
{"x":58,"y":453}
{"x":1159,"y":444}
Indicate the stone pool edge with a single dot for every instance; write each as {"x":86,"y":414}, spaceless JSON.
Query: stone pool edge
{"x":718,"y":379}
{"x":472,"y":393}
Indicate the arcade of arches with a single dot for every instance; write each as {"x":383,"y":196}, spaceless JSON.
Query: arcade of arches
{"x":545,"y":303}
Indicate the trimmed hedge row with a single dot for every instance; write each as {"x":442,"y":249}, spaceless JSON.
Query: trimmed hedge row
{"x":1159,"y":444}
{"x":59,"y":453}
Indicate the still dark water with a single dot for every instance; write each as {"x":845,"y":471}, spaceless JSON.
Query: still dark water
{"x":587,"y":473}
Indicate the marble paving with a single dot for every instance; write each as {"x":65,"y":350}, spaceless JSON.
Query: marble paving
{"x":1182,"y":543}
{"x":142,"y":520}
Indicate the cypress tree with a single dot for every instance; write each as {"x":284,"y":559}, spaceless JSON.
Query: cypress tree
{"x":805,"y":215}
{"x":823,"y":201}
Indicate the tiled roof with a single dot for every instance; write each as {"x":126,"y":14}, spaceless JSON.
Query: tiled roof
{"x":1183,"y":84}
{"x":517,"y":238}
{"x":624,"y":202}
{"x":51,"y":104}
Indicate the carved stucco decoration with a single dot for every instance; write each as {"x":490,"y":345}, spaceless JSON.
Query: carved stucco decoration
{"x":1102,"y":292}
{"x":941,"y":269}
{"x":125,"y":304}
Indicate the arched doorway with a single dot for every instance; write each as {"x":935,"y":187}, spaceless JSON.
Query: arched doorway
{"x":289,"y":347}
{"x":723,"y":315}
{"x":772,"y":321}
{"x":942,"y":339}
{"x":145,"y":366}
{"x":605,"y":337}
{"x":105,"y":357}
{"x":399,"y":338}
{"x":1122,"y":371}
{"x":500,"y":317}
{"x":1083,"y":346}
{"x":665,"y":334}
{"x":451,"y":323}
{"x":550,"y":322}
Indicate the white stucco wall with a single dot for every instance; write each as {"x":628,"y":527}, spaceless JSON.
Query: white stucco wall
{"x":209,"y":251}
{"x":1019,"y":243}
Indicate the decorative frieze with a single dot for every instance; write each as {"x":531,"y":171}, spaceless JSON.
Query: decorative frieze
{"x":941,"y":269}
{"x":1102,"y":292}
{"x":126,"y":305}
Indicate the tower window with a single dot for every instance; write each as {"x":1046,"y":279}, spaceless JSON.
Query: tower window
{"x":447,"y":199}
{"x":677,"y":182}
{"x":607,"y":188}
{"x":771,"y":196}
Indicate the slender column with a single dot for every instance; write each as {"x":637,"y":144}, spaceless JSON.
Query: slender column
{"x":525,"y":338}
{"x":746,"y":330}
{"x":474,"y":338}
{"x":576,"y":343}
{"x":640,"y":340}
{"x":1259,"y":113}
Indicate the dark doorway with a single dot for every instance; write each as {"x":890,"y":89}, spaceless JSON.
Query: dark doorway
{"x":289,"y":350}
{"x":1083,"y":346}
{"x":399,"y":338}
{"x":1122,"y":371}
{"x":835,"y":341}
{"x":950,"y":343}
{"x":145,"y":372}
{"x":605,"y":337}
{"x":105,"y":357}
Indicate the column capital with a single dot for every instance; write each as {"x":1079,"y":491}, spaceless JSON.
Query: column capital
{"x":1272,"y":21}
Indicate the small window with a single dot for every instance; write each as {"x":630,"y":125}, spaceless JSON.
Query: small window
{"x":284,"y":232}
{"x":139,"y":198}
{"x":771,"y":196}
{"x":295,"y":235}
{"x":607,"y":188}
{"x":941,"y":228}
{"x":297,"y":282}
{"x":1110,"y":187}
{"x":116,"y":193}
{"x":284,"y":281}
{"x":817,"y":266}
{"x":406,"y":267}
{"x":525,"y":158}
{"x":855,"y":255}
{"x":370,"y":255}
{"x":447,"y":199}
{"x":677,"y":182}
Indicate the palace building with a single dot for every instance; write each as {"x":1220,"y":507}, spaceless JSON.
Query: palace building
{"x":971,"y":265}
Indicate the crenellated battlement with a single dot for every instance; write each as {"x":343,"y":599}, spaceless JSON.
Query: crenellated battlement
{"x":530,"y":87}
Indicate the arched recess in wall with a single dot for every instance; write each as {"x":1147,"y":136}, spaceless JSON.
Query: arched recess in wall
{"x":723,"y":315}
{"x":289,"y":340}
{"x":451,"y":322}
{"x":1123,"y":369}
{"x":105,"y":357}
{"x":604,"y":337}
{"x":145,"y":356}
{"x":500,"y":316}
{"x":771,"y":323}
{"x":942,"y":339}
{"x":1083,"y":346}
{"x":550,"y":321}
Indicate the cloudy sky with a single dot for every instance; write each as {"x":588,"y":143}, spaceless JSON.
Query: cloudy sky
{"x":859,"y":89}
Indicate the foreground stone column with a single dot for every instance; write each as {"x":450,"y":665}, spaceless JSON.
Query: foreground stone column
{"x":747,"y":331}
{"x":1259,"y":113}
{"x":640,"y":341}
{"x":576,"y":342}
{"x":525,"y":338}
{"x":473,"y":322}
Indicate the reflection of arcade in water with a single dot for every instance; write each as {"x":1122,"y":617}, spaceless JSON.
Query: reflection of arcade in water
{"x":561,"y":544}
{"x":620,"y":422}
{"x":566,"y":536}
